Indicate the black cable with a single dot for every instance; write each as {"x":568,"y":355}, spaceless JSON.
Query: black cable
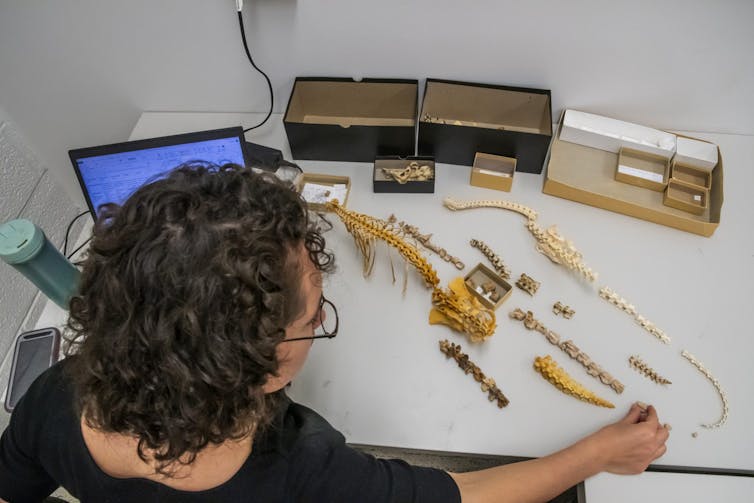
{"x":251,"y":60}
{"x":80,"y":247}
{"x":68,"y":230}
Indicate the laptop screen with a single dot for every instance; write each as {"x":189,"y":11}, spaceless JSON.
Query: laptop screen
{"x":111,"y":173}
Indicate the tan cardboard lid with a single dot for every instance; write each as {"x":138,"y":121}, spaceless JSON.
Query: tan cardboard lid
{"x":487,"y":107}
{"x":585,"y":175}
{"x":353,"y":103}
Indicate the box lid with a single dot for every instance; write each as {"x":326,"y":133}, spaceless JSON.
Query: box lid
{"x":346,"y":102}
{"x":488,"y":106}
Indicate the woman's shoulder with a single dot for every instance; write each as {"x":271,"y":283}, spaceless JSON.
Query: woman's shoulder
{"x":49,"y":387}
{"x":48,"y":403}
{"x":299,"y":428}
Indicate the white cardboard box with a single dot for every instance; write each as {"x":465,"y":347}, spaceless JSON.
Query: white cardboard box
{"x":699,"y":154}
{"x":608,"y":134}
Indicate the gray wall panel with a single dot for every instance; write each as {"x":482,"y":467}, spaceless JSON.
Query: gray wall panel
{"x":19,"y":172}
{"x":27,"y":190}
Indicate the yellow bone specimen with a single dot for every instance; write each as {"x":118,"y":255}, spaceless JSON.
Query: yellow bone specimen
{"x":559,"y":378}
{"x":455,"y":306}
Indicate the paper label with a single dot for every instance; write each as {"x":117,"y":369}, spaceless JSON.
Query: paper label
{"x":320,"y":194}
{"x":640,"y":173}
{"x":493,"y":173}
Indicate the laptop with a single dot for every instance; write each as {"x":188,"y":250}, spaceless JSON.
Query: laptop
{"x":111,"y":173}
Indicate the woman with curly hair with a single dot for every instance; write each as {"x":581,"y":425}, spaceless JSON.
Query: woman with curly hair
{"x":199,"y":301}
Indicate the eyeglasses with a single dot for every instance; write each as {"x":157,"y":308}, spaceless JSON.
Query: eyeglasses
{"x":325,"y":322}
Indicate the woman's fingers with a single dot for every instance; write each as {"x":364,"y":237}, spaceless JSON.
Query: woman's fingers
{"x":659,"y":452}
{"x":663,"y":433}
{"x":652,"y":415}
{"x":633,"y":415}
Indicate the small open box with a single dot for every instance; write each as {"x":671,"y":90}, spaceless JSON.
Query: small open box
{"x":319,"y":189}
{"x":487,"y":286}
{"x":384,"y":181}
{"x":642,"y":169}
{"x":493,"y":171}
{"x":691,"y":175}
{"x":686,"y":197}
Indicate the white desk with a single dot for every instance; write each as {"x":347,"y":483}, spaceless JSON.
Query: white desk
{"x":654,"y":487}
{"x":383,"y":381}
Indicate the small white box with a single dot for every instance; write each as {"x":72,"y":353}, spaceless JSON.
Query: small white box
{"x":608,"y":134}
{"x":699,"y":154}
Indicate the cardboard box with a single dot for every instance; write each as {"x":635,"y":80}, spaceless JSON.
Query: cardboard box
{"x":318,"y":189}
{"x":605,"y":133}
{"x":697,"y":153}
{"x":481,"y":275}
{"x":642,"y":169}
{"x":383,"y":182}
{"x":459,"y":119}
{"x":686,"y":197}
{"x":691,"y":175}
{"x":493,"y":171}
{"x":586,"y":175}
{"x":334,"y":119}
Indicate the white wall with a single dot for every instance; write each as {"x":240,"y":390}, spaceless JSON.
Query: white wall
{"x":77,"y":73}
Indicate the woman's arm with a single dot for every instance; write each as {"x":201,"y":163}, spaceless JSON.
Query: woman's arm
{"x":625,"y":447}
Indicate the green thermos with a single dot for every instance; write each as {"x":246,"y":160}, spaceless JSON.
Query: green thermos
{"x":24,"y":246}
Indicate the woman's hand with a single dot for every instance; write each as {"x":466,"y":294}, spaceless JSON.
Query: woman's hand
{"x":631,"y":444}
{"x":625,"y":447}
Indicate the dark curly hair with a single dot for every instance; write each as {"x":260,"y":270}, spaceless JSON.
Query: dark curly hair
{"x":185,"y":293}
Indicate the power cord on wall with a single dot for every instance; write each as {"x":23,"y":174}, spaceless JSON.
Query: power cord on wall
{"x":74,"y":252}
{"x":68,"y":231}
{"x":239,"y":8}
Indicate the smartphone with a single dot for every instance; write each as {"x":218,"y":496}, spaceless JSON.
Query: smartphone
{"x":35,"y":352}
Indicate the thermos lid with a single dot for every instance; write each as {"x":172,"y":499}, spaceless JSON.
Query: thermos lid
{"x":20,"y":241}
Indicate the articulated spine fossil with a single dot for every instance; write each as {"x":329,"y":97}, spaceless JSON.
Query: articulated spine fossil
{"x":461,"y":311}
{"x":469,"y":367}
{"x":494,"y":258}
{"x":569,"y":348}
{"x":622,"y":304}
{"x":424,"y":240}
{"x":640,"y":366}
{"x":454,"y":306}
{"x":527,"y":284}
{"x":696,"y":363}
{"x":559,"y":378}
{"x":566,"y":311}
{"x":549,"y":242}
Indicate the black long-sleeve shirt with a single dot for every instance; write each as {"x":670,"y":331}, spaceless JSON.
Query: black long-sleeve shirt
{"x":301,"y":458}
